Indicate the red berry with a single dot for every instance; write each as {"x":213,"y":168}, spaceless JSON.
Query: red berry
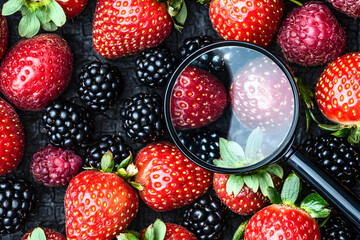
{"x":72,"y":8}
{"x":49,"y":233}
{"x":174,"y":232}
{"x":170,"y":180}
{"x":125,"y":27}
{"x":12,"y":138}
{"x":53,"y":166}
{"x":35,"y":71}
{"x":311,"y":35}
{"x":349,"y":7}
{"x":3,"y":35}
{"x":255,"y":21}
{"x":198,"y":99}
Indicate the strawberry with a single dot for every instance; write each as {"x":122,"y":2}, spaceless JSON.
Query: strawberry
{"x":198,"y":99}
{"x":254,"y":21}
{"x":169,"y":179}
{"x":3,"y":35}
{"x":261,"y":96}
{"x":126,"y":27}
{"x":40,"y":233}
{"x":12,"y":138}
{"x":100,"y":204}
{"x":35,"y":71}
{"x":284,"y":219}
{"x":338,"y":97}
{"x":311,"y":35}
{"x":72,"y":8}
{"x":349,"y":7}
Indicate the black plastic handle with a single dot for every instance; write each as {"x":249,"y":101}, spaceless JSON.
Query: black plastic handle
{"x":327,"y":186}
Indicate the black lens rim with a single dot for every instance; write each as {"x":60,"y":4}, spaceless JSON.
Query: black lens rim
{"x":277,"y":154}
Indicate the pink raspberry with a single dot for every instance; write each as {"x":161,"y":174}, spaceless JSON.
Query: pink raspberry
{"x":54,"y":166}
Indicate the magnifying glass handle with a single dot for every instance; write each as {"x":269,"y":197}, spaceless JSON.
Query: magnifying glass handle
{"x":326,"y":185}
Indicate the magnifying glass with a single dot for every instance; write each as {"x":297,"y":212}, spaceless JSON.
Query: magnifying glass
{"x":247,"y":103}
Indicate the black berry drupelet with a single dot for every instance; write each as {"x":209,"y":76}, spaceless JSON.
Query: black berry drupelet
{"x":98,"y":148}
{"x":336,"y":156}
{"x":155,"y":66}
{"x":68,"y":125}
{"x":208,"y":61}
{"x":336,"y":228}
{"x":100,"y":85}
{"x":17,"y":202}
{"x":206,"y":218}
{"x":203,"y":143}
{"x":143,"y":117}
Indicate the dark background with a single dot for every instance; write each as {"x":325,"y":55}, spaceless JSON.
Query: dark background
{"x":78,"y":32}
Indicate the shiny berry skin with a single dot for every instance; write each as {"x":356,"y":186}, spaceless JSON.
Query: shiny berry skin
{"x":337,"y":91}
{"x":72,"y":8}
{"x":35,"y":71}
{"x":100,"y":85}
{"x":349,"y":7}
{"x":123,"y":27}
{"x":311,"y":35}
{"x":3,"y":35}
{"x":282,"y":222}
{"x":170,"y":180}
{"x":53,"y":166}
{"x":206,"y":218}
{"x":337,"y":228}
{"x":198,"y":99}
{"x":17,"y":202}
{"x":246,"y":20}
{"x":155,"y":66}
{"x":12,"y":138}
{"x":50,"y":234}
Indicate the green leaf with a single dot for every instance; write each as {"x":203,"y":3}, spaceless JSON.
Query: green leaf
{"x":49,"y":26}
{"x":265,"y":181}
{"x":240,"y":231}
{"x":11,"y":7}
{"x":274,"y":195}
{"x":252,"y":181}
{"x":315,"y":205}
{"x":159,"y":229}
{"x":124,"y":163}
{"x":329,"y":127}
{"x":37,"y":234}
{"x":127,"y":236}
{"x":234,"y":184}
{"x":253,"y":145}
{"x":275,"y":169}
{"x":291,"y":189}
{"x":182,"y":15}
{"x":174,"y":7}
{"x":150,"y":233}
{"x":56,"y":13}
{"x":232,"y":154}
{"x":354,"y":136}
{"x":107,"y":162}
{"x":29,"y":25}
{"x":344,"y":132}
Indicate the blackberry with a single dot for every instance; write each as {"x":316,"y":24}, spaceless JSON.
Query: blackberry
{"x":100,"y":85}
{"x":208,"y":61}
{"x":337,"y":228}
{"x":203,"y":143}
{"x":143,"y":117}
{"x":67,"y":125}
{"x":97,"y":149}
{"x":336,"y":156}
{"x":155,"y":66}
{"x":206,"y":218}
{"x":17,"y":202}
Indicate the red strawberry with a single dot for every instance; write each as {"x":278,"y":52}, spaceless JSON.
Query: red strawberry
{"x":255,"y":21}
{"x":36,"y":71}
{"x":127,"y":27}
{"x":99,"y":204}
{"x":198,"y":99}
{"x":349,"y":7}
{"x":170,"y":231}
{"x":170,"y":180}
{"x":39,"y":233}
{"x":12,"y":138}
{"x":337,"y":95}
{"x":261,"y":96}
{"x":3,"y":35}
{"x":311,"y":35}
{"x":72,"y":8}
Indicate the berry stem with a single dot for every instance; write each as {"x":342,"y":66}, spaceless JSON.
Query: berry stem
{"x":297,"y":2}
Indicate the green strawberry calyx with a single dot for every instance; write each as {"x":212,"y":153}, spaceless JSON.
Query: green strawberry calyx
{"x":36,"y":14}
{"x":178,"y":11}
{"x":351,"y":132}
{"x":255,"y":180}
{"x":155,"y":231}
{"x":232,"y":155}
{"x":37,"y":234}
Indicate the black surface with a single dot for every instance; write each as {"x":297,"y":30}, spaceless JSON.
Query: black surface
{"x":78,"y":32}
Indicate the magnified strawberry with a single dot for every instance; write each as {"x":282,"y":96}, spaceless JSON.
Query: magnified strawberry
{"x":261,"y":96}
